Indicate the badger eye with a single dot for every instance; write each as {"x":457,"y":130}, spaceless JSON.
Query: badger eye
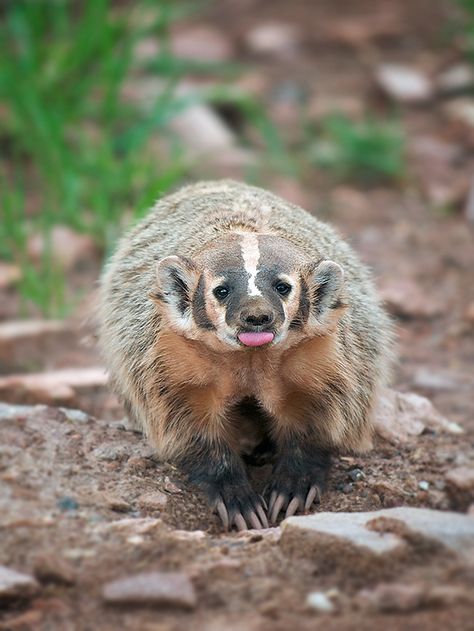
{"x":221,"y":292}
{"x":283,"y":288}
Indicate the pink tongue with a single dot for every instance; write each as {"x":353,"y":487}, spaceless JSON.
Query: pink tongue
{"x":255,"y":339}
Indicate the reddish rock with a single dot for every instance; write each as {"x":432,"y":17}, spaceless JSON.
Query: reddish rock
{"x":403,"y":297}
{"x":160,"y":589}
{"x":399,"y":417}
{"x":460,"y":487}
{"x":29,"y":342}
{"x":68,"y":387}
{"x":404,"y":84}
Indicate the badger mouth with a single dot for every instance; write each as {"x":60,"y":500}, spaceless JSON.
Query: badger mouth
{"x":256,"y":338}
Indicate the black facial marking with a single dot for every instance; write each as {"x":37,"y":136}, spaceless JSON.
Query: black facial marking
{"x":199,"y":307}
{"x":304,"y":307}
{"x":237,"y":281}
{"x":181,"y":289}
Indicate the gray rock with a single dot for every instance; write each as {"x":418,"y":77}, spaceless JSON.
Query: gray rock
{"x":342,"y":531}
{"x":15,"y":585}
{"x":404,"y":84}
{"x":319,"y":601}
{"x":457,"y":79}
{"x":171,"y":589}
{"x":345,"y":528}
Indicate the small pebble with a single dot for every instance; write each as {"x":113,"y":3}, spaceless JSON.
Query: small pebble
{"x":67,"y":503}
{"x":320,"y":602}
{"x":423,"y":485}
{"x":356,"y":475}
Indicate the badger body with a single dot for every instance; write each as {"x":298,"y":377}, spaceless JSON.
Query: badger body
{"x":228,"y":310}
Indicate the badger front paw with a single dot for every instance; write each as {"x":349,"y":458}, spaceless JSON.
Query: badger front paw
{"x":297,"y":482}
{"x":238,"y":505}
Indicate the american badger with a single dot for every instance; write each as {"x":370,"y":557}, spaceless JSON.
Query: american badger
{"x":227,"y":311}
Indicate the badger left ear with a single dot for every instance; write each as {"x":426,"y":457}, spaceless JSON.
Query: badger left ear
{"x":177,"y":277}
{"x":325,"y":284}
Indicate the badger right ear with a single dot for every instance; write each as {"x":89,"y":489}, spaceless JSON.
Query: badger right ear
{"x":177,"y":277}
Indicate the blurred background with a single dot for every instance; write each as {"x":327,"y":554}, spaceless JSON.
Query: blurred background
{"x":360,"y":111}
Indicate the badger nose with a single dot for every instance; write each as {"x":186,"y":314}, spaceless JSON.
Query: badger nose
{"x":253,"y":319}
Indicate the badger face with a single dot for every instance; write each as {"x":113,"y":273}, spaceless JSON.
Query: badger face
{"x":249,"y":290}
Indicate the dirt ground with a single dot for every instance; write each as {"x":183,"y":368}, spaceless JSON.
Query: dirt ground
{"x":75,"y":490}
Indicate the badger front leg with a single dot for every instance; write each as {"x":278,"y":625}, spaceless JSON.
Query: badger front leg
{"x":299,"y":475}
{"x":220,"y":472}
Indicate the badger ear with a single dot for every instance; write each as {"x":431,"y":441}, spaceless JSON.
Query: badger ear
{"x":325,"y":284}
{"x":177,"y":277}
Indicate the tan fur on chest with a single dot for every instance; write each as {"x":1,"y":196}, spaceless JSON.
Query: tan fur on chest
{"x":213,"y":382}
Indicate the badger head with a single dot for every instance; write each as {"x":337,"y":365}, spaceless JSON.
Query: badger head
{"x":249,"y":290}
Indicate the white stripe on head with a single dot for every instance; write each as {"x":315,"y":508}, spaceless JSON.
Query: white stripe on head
{"x":251,"y":255}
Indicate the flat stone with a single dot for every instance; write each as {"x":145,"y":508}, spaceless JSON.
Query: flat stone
{"x":345,"y":528}
{"x":131,"y":526}
{"x":404,"y":84}
{"x":160,"y":589}
{"x":26,"y":343}
{"x":354,"y":531}
{"x":65,"y":387}
{"x":15,"y":584}
{"x":400,"y":417}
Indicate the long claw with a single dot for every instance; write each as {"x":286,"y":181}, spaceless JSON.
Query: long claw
{"x":273,"y":497}
{"x":279,"y":502}
{"x":254,"y":521}
{"x":263,"y":517}
{"x":264,"y":502}
{"x":223,"y":514}
{"x":312,"y":494}
{"x":240,"y":522}
{"x":292,"y":507}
